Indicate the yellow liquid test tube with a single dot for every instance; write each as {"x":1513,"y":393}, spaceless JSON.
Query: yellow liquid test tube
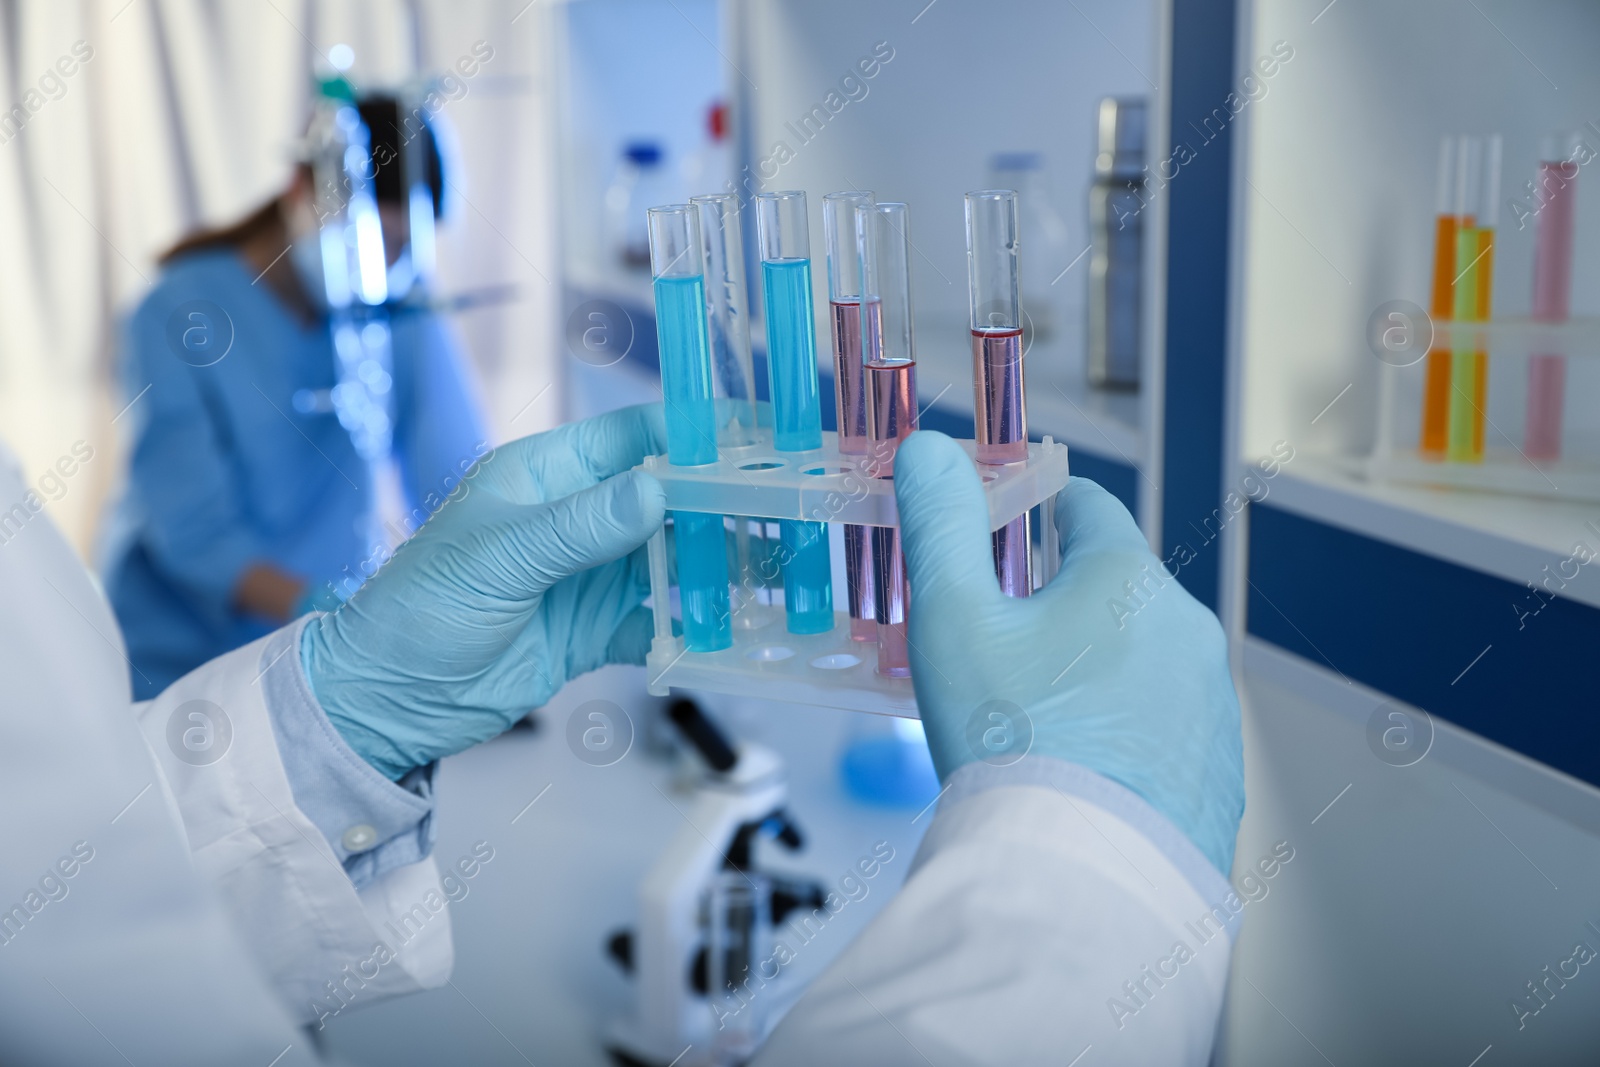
{"x":1477,"y":182}
{"x":1469,"y":364}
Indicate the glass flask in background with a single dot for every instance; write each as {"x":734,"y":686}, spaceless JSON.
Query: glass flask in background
{"x":1116,"y":229}
{"x":1044,"y":231}
{"x":640,"y":183}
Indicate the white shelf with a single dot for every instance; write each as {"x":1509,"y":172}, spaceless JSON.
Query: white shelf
{"x":1510,"y":537}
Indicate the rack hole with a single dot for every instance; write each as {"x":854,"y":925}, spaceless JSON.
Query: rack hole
{"x":769,"y":653}
{"x":761,"y":465}
{"x":827,"y":470}
{"x":836,"y":661}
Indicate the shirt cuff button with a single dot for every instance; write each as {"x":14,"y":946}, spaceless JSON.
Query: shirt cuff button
{"x":359,"y":838}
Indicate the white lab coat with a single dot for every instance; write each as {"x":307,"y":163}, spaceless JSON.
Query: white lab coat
{"x":210,"y":913}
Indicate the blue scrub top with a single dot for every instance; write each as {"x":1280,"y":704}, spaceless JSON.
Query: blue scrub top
{"x":225,"y":471}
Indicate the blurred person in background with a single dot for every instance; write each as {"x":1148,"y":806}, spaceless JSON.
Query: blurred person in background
{"x":247,"y":503}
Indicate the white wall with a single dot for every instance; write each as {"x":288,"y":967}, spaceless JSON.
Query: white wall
{"x":967,"y":79}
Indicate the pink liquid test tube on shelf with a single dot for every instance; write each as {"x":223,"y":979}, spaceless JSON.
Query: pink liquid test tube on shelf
{"x":1555,"y":197}
{"x":850,"y":389}
{"x":1000,"y":414}
{"x":891,"y":394}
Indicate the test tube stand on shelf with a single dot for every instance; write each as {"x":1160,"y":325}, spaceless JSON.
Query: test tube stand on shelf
{"x":822,"y":485}
{"x":1506,"y":467}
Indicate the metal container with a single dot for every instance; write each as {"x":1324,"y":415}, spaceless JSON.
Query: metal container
{"x":1116,"y":224}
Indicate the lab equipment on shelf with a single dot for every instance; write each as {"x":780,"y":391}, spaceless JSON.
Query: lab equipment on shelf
{"x":999,"y":404}
{"x":850,"y":387}
{"x":1116,"y":237}
{"x":1555,"y":201}
{"x":677,"y":261}
{"x":1460,"y":419}
{"x":783,"y":236}
{"x":1477,"y":210}
{"x":1456,"y":390}
{"x":640,"y":180}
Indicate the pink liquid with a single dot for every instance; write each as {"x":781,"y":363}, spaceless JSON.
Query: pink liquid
{"x":1001,"y":421}
{"x":999,"y":414}
{"x":1552,"y":298}
{"x":1013,"y":557}
{"x":891,"y":418}
{"x":850,"y":405}
{"x":850,"y":391}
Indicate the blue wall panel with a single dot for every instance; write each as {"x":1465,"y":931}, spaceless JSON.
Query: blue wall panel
{"x":1411,"y":625}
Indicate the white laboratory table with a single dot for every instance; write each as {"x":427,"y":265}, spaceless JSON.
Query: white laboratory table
{"x":532,"y":983}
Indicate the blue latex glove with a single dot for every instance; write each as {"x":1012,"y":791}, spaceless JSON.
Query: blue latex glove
{"x":1150,"y":704}
{"x":529,"y":576}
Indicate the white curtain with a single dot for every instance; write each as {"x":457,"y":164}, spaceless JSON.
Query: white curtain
{"x":126,"y":123}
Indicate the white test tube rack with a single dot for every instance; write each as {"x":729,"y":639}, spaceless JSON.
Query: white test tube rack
{"x":757,"y":482}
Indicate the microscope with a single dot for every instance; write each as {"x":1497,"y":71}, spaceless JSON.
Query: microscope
{"x":704,"y":911}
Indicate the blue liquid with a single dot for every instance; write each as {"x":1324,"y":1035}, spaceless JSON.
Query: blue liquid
{"x":701,"y":547}
{"x":797,"y":426}
{"x":703,"y":580}
{"x":807,"y":577}
{"x":686,"y":370}
{"x":792,"y":355}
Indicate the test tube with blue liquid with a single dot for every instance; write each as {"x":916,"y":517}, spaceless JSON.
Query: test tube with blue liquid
{"x":785,"y":247}
{"x":888,"y":344}
{"x":677,"y":261}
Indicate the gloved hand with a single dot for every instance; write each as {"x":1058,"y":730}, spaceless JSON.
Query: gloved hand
{"x":1141,"y":695}
{"x":531,"y":574}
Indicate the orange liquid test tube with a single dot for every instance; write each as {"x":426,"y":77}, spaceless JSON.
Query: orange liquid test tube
{"x":1436,"y":385}
{"x":1435,"y":434}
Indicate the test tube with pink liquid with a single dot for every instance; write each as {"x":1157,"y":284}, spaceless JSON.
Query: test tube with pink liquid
{"x":1000,"y":413}
{"x":889,"y":348}
{"x":1555,"y":197}
{"x":850,"y":388}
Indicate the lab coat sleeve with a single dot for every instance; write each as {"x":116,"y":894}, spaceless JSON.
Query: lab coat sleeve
{"x":372,"y":824}
{"x":323,"y":943}
{"x":1049,"y":911}
{"x":440,"y":431}
{"x":112,"y":951}
{"x":194,"y":522}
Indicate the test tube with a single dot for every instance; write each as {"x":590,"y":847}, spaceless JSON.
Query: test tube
{"x":728,"y":317}
{"x":1435,"y":434}
{"x":850,"y":388}
{"x":1555,"y":198}
{"x":999,"y":407}
{"x":784,"y":239}
{"x":677,"y":262}
{"x":733,"y":374}
{"x":1477,"y":209}
{"x":889,"y":346}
